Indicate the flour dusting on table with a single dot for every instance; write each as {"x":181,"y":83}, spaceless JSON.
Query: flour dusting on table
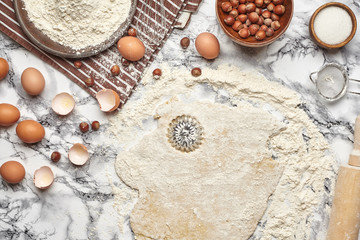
{"x":284,"y":134}
{"x":78,"y":23}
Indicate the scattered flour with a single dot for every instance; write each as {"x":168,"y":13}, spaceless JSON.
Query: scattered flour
{"x":78,"y":23}
{"x":298,"y":206}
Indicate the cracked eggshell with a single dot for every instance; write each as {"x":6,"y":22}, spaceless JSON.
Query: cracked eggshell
{"x":108,"y":100}
{"x":43,"y":177}
{"x":78,"y":154}
{"x":63,"y":103}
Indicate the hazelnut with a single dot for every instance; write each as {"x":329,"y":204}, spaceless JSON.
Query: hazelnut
{"x":242,"y":8}
{"x":264,"y":28}
{"x":125,"y":62}
{"x":244,"y":33}
{"x":89,"y":82}
{"x":258,"y":11}
{"x":270,"y":7}
{"x":274,"y":17}
{"x":55,"y":156}
{"x":185,"y":42}
{"x":132,"y":32}
{"x":229,"y":20}
{"x":242,"y":18}
{"x":77,"y":64}
{"x":261,"y":21}
{"x":259,"y":3}
{"x":253,"y":28}
{"x":250,"y":7}
{"x":236,"y":26}
{"x":115,"y":70}
{"x":268,"y":22}
{"x":248,"y":23}
{"x":157,"y":73}
{"x":267,"y":1}
{"x":84,"y":127}
{"x":242,"y":1}
{"x":226,"y":6}
{"x":196,"y":72}
{"x":234,"y":3}
{"x":260,"y":35}
{"x":234,"y":13}
{"x":243,"y":26}
{"x":269,"y":32}
{"x":250,"y":1}
{"x":279,"y":9}
{"x":277,"y":2}
{"x":253,"y":17}
{"x":95,"y":125}
{"x":275,"y":25}
{"x":266,"y":14}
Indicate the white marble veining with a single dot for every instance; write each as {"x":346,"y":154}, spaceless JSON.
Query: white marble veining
{"x":80,"y":203}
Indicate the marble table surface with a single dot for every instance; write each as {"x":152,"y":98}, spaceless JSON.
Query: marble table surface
{"x":80,"y":204}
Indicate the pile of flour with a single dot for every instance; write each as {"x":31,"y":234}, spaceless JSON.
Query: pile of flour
{"x":300,"y":204}
{"x":78,"y":23}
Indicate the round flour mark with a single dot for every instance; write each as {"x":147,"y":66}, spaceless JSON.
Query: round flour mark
{"x":185,"y":133}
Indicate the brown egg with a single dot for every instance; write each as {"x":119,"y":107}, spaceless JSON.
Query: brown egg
{"x":9,"y":114}
{"x":131,"y":48}
{"x":12,"y":172}
{"x":207,"y":45}
{"x":4,"y":68}
{"x":30,"y":131}
{"x":32,"y":81}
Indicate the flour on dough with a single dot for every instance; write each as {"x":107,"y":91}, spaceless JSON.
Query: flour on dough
{"x":262,"y":170}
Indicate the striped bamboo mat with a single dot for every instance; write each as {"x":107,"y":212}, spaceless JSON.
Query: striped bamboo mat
{"x":154,"y":21}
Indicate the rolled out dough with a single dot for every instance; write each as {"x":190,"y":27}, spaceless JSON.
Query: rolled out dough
{"x":219,"y":191}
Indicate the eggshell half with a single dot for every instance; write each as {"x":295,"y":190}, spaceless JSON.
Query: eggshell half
{"x":30,"y":131}
{"x":78,"y":154}
{"x":63,"y":103}
{"x":12,"y":172}
{"x":207,"y":45}
{"x":32,"y":81}
{"x":9,"y":114}
{"x":43,"y":177}
{"x":131,"y":48}
{"x":108,"y":100}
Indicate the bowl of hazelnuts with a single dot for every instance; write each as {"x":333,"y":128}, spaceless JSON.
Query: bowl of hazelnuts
{"x":254,"y":23}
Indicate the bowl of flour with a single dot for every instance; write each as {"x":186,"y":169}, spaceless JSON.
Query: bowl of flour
{"x":74,"y":28}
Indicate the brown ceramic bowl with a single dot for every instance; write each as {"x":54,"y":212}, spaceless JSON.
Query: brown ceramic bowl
{"x":251,"y":41}
{"x":323,"y":44}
